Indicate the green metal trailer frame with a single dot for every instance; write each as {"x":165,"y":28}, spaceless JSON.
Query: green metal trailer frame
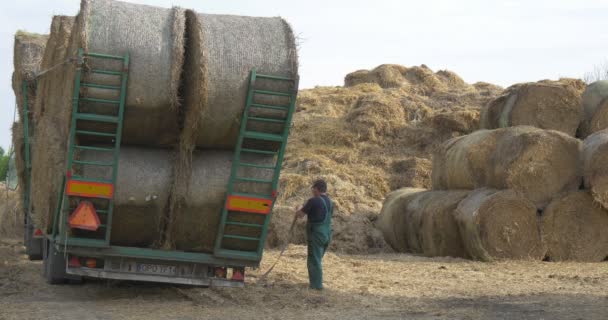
{"x":59,"y":247}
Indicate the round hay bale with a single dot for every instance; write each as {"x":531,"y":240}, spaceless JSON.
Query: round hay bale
{"x":141,"y":195}
{"x":52,"y":123}
{"x":574,"y":228}
{"x":27,"y":55}
{"x":538,"y":163}
{"x":222,"y":49}
{"x":193,"y":224}
{"x":598,"y":121}
{"x":595,"y":173}
{"x":499,"y":225}
{"x":392,"y":221}
{"x":439,"y":231}
{"x":553,"y":105}
{"x":154,"y":39}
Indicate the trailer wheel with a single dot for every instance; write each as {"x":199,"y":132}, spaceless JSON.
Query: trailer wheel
{"x":33,"y":246}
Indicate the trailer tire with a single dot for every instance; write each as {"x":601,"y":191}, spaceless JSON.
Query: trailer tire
{"x":33,"y":246}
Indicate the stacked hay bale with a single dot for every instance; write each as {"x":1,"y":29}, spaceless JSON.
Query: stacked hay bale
{"x":27,"y":55}
{"x":526,"y":202}
{"x":178,"y":132}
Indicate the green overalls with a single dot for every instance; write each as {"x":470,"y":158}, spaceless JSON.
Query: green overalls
{"x":318,"y":235}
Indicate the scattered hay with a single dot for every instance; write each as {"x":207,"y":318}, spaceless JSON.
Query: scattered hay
{"x":499,"y":225}
{"x":11,"y":213}
{"x":538,"y":163}
{"x":554,"y":105}
{"x":595,"y":173}
{"x":574,"y":228}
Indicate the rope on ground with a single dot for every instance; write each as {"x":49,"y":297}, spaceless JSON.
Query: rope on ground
{"x":265,"y":275}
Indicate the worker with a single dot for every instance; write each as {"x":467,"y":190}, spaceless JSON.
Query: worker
{"x":318,"y":210}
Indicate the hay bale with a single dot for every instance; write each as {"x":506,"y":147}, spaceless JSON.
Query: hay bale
{"x":438,"y":233}
{"x":499,"y":225}
{"x":222,"y":49}
{"x":193,"y":225}
{"x":27,"y":54}
{"x":19,"y":149}
{"x":52,"y":122}
{"x":154,"y":39}
{"x":574,"y":228}
{"x":554,"y":105}
{"x":142,"y":192}
{"x":594,"y":158}
{"x":597,"y":122}
{"x":394,"y":218}
{"x":593,"y":96}
{"x":538,"y":163}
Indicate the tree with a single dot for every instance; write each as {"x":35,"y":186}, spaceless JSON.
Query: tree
{"x":599,"y":72}
{"x":3,"y":164}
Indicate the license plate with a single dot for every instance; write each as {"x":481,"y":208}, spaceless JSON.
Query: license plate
{"x":156,"y":269}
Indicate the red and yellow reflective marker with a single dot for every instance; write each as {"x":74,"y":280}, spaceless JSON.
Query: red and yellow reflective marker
{"x":84,"y":217}
{"x":90,"y":189}
{"x":248,"y":204}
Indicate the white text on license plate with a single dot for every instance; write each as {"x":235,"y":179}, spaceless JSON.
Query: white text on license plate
{"x":156,"y":269}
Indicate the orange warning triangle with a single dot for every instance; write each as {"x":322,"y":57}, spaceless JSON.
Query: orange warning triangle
{"x":84,"y":217}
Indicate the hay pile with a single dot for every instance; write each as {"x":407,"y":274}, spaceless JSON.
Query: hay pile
{"x":371,"y":136}
{"x":574,"y":228}
{"x":11,"y":213}
{"x":546,"y":104}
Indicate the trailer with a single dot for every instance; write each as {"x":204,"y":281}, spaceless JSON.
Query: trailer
{"x":78,"y":243}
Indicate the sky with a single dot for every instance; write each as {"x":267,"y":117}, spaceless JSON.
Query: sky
{"x":501,"y":42}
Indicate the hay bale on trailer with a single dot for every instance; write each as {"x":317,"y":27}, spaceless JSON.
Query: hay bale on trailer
{"x":595,"y":108}
{"x":222,"y":49}
{"x":498,"y":224}
{"x":538,"y":163}
{"x":574,"y":228}
{"x":553,"y":105}
{"x":392,"y":221}
{"x":52,"y":114}
{"x":154,"y":38}
{"x":595,"y":173}
{"x":27,"y":55}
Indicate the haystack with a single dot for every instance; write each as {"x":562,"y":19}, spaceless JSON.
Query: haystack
{"x":593,"y":97}
{"x":574,"y":228}
{"x":538,"y":163}
{"x":52,"y":112}
{"x":499,"y":225}
{"x":595,"y":173}
{"x":154,"y":39}
{"x":19,"y":149}
{"x":393,"y":220}
{"x":222,"y":49}
{"x":554,"y":105}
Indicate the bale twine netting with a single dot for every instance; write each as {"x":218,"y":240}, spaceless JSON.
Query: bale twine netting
{"x":538,"y":163}
{"x":594,"y":116}
{"x":154,"y":39}
{"x":595,"y":162}
{"x":574,"y":228}
{"x":499,"y":224}
{"x":420,"y":221}
{"x":554,"y":105}
{"x":52,"y":114}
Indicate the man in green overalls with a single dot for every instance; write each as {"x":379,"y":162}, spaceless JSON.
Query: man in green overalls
{"x":318,"y":210}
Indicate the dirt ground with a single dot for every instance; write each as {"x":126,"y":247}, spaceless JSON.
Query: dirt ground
{"x":382,"y":286}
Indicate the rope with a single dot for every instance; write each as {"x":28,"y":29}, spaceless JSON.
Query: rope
{"x":43,"y":72}
{"x":265,"y":275}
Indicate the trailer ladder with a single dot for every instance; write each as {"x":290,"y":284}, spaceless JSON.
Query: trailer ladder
{"x":246,"y":215}
{"x":96,"y":128}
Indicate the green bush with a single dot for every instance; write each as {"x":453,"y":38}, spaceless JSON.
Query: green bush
{"x":3,"y":164}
